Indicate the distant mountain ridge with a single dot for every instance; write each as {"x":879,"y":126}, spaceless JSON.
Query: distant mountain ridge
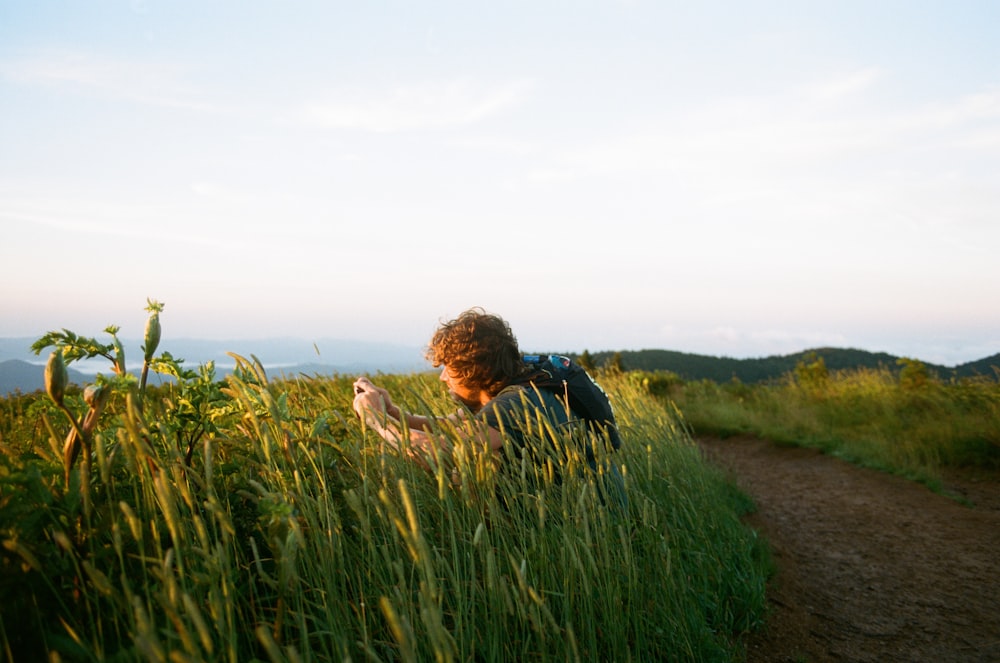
{"x":17,"y":375}
{"x":271,"y":351}
{"x":21,"y":369}
{"x":291,"y":357}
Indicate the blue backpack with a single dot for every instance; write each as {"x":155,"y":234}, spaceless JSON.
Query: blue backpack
{"x":584,"y":396}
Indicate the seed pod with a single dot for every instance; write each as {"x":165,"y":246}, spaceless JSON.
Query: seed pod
{"x":119,"y":363}
{"x":152,"y":338}
{"x":93,"y":394}
{"x":56,"y":377}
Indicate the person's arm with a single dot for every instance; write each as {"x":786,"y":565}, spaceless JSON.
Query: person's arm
{"x":365,"y":386}
{"x":374,"y":405}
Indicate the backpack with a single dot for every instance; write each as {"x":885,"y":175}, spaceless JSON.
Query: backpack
{"x":585,"y":397}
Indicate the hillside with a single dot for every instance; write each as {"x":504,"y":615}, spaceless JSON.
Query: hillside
{"x":20,"y":375}
{"x":16,"y":374}
{"x":26,"y":377}
{"x":723,"y":369}
{"x":21,"y":369}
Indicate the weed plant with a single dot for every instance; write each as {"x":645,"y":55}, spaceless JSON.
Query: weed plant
{"x":290,"y":533}
{"x":911,"y":424}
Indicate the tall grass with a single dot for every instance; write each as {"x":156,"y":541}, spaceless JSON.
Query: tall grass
{"x":292,"y":534}
{"x":908,"y":423}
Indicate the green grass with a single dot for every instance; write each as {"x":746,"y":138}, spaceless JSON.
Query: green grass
{"x":292,"y":535}
{"x":910,"y":424}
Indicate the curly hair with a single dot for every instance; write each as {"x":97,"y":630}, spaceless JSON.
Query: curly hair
{"x":480,"y":349}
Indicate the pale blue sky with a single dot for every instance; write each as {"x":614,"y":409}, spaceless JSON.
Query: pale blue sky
{"x":731,"y":178}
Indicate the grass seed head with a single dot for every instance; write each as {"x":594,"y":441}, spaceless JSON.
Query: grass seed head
{"x":92,"y":394}
{"x":56,"y":377}
{"x":152,"y":337}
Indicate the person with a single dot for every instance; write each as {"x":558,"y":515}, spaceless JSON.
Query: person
{"x":484,"y":371}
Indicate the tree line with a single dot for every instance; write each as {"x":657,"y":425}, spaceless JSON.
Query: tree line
{"x":690,"y":366}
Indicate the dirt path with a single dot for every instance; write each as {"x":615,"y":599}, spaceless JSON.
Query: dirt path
{"x":871,"y":567}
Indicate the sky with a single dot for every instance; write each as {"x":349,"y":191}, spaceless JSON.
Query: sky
{"x":737,"y":179}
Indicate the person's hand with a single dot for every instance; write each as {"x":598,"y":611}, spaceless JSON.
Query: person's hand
{"x":368,"y":401}
{"x":371,"y":397}
{"x":363,"y":384}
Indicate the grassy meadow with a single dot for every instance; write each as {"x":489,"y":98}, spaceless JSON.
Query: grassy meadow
{"x":256,"y":519}
{"x":905,"y":421}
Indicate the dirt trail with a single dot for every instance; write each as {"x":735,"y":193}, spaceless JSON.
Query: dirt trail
{"x":871,"y":567}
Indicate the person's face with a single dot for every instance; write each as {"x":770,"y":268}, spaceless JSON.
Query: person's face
{"x":459,"y":391}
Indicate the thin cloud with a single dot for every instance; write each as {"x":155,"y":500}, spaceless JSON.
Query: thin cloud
{"x":419,"y":106}
{"x":788,"y":132}
{"x":797,"y":339}
{"x":147,"y":83}
{"x":970,"y":109}
{"x":111,"y":221}
{"x":727,"y":334}
{"x":846,"y":85}
{"x":496,"y":145}
{"x":550,"y":175}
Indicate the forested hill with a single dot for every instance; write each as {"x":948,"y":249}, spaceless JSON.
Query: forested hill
{"x":723,"y":369}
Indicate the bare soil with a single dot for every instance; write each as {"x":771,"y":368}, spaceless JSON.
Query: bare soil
{"x":870,"y":566}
